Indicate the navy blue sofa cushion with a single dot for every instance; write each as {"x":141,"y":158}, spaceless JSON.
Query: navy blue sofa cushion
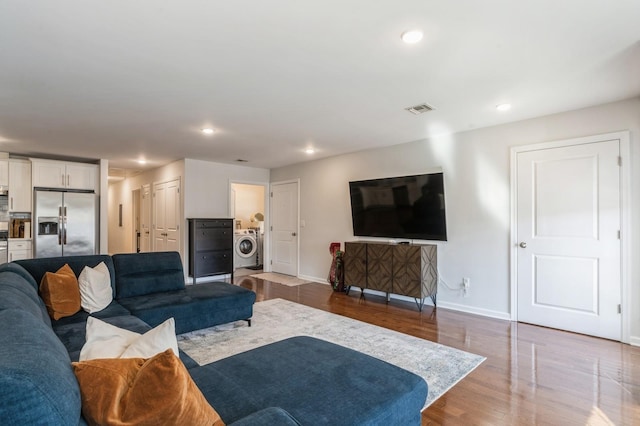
{"x":18,"y":293}
{"x":140,"y":274}
{"x":114,"y":309}
{"x":17,"y":269}
{"x":37,"y":384}
{"x":194,"y":307}
{"x":317,"y":382}
{"x":38,"y":267}
{"x":270,"y":416}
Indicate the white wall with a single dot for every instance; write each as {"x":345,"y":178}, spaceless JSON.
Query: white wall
{"x":476,"y":166}
{"x":208,"y":184}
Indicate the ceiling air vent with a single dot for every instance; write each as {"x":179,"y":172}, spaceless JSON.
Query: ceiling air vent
{"x":419,"y":109}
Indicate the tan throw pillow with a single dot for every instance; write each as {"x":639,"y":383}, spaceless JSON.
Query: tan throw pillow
{"x":60,"y":292}
{"x":138,"y":391}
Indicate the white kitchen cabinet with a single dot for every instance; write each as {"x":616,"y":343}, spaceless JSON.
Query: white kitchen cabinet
{"x":19,"y":249}
{"x":64,"y":175}
{"x":4,"y":173}
{"x":81,"y":176}
{"x":20,"y":193}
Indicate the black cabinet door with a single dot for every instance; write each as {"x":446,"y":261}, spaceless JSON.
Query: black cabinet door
{"x":210,"y":247}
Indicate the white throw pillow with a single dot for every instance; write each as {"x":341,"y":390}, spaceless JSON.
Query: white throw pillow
{"x":108,"y":341}
{"x":95,"y":288}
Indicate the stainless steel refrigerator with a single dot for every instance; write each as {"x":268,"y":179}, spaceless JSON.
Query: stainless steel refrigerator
{"x":66,"y":223}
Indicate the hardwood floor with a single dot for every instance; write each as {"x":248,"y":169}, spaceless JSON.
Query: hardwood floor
{"x":532,"y":375}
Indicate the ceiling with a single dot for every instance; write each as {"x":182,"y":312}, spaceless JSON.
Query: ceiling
{"x":125,"y":80}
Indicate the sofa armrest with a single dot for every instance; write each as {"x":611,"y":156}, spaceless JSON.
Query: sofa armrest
{"x":268,"y":417}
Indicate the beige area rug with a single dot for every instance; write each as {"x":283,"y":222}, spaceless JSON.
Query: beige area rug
{"x":281,"y":279}
{"x":277,"y":319}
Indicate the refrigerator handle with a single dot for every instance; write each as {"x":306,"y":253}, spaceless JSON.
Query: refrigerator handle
{"x":64,"y":226}
{"x":59,"y":225}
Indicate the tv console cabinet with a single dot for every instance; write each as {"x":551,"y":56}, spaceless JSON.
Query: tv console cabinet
{"x":403,"y":269}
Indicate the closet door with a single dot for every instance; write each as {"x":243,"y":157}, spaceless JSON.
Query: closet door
{"x":145,"y":218}
{"x":172,"y":215}
{"x":159,"y":220}
{"x":167,"y":216}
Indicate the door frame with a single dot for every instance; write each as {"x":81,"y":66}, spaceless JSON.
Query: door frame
{"x":136,"y":198}
{"x":266,"y":252}
{"x":283,"y":182}
{"x":625,"y":218}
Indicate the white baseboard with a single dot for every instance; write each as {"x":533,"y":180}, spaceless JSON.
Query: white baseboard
{"x":313,"y":279}
{"x":447,"y":305}
{"x":634,"y":341}
{"x":473,"y":310}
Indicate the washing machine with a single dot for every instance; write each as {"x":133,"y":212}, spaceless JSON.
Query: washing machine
{"x":245,"y":248}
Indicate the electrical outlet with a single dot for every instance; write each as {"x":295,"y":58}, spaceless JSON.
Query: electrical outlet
{"x":466,"y":283}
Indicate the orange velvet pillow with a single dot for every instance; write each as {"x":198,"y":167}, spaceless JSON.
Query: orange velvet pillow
{"x":138,"y":391}
{"x":60,"y":292}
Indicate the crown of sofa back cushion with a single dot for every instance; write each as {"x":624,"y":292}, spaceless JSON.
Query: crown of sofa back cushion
{"x":138,"y":274}
{"x":17,"y":269}
{"x":17,"y":293}
{"x":38,"y":267}
{"x":37,"y":384}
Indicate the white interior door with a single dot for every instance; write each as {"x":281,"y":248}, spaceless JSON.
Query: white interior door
{"x":284,"y":226}
{"x":159,"y":217}
{"x":145,"y":218}
{"x":568,"y":224}
{"x":172,"y":215}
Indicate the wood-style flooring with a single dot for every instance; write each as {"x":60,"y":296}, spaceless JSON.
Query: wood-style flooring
{"x":532,"y":375}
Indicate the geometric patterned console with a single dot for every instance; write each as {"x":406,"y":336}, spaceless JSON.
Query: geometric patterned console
{"x":404,"y":269}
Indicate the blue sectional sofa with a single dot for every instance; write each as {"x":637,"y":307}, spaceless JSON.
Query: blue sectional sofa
{"x":295,"y":381}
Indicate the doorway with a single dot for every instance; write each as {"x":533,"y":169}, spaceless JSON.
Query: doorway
{"x":567,"y":235}
{"x":248,"y":209}
{"x":285,"y":227}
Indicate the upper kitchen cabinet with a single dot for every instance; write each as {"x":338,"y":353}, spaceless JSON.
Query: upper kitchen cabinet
{"x":20,"y":194}
{"x":4,"y":174}
{"x":65,"y":175}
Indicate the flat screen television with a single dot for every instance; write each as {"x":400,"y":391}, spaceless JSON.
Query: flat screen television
{"x":410,"y":207}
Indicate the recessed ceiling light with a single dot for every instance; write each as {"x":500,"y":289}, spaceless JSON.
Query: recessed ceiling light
{"x":503,"y":107}
{"x":208,"y":131}
{"x":309,"y":151}
{"x":411,"y":37}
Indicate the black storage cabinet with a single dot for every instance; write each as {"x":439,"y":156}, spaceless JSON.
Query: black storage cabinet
{"x":210,"y":247}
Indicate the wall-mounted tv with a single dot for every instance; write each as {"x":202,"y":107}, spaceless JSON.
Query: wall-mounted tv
{"x":410,"y":207}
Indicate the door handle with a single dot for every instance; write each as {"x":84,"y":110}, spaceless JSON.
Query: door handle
{"x":64,"y":226}
{"x":60,"y":225}
{"x":293,"y":234}
{"x":523,"y":244}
